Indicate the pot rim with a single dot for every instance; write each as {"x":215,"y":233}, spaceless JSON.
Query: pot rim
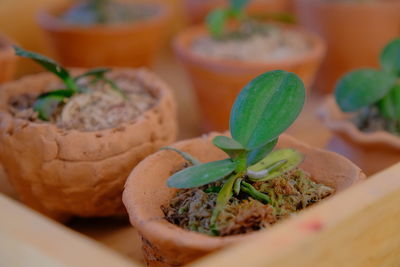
{"x":47,"y":20}
{"x":167,"y":232}
{"x":181,"y":45}
{"x":338,"y":122}
{"x":149,"y":80}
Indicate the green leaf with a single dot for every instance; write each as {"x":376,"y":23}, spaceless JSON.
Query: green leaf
{"x":259,"y":153}
{"x":203,"y":174}
{"x":223,"y":197}
{"x":390,"y":57}
{"x":362,"y":88}
{"x":389,"y":106}
{"x":49,"y":65}
{"x":288,"y":159}
{"x":97,"y":72}
{"x":238,"y":4}
{"x":266,"y":107}
{"x":46,"y":106}
{"x":229,"y":146}
{"x":216,"y":21}
{"x":192,"y":160}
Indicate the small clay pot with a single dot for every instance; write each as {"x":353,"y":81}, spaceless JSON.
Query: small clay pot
{"x":373,"y":152}
{"x":197,"y":10}
{"x":121,"y":45}
{"x":165,"y":244}
{"x":8,"y":60}
{"x":64,"y":173}
{"x":355,"y":32}
{"x":217,"y":82}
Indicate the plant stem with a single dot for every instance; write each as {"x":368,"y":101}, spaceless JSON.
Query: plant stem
{"x":249,"y":189}
{"x":192,"y":160}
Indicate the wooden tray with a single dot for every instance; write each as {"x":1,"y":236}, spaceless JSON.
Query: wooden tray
{"x":358,"y":227}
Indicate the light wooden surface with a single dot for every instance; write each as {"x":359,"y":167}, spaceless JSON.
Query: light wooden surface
{"x":27,"y":239}
{"x":359,"y":227}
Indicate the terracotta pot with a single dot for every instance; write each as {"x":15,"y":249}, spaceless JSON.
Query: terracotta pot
{"x":197,"y":10}
{"x":373,"y":152}
{"x":8,"y":60}
{"x":355,"y":33}
{"x":124,"y":45}
{"x":217,"y":82}
{"x":68,"y":172}
{"x":165,"y":244}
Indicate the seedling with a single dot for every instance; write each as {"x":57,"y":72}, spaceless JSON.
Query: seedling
{"x":265,"y":108}
{"x":366,"y":88}
{"x":217,"y":20}
{"x":46,"y":103}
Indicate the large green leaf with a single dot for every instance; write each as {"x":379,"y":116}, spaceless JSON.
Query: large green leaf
{"x":266,"y":107}
{"x":229,"y":146}
{"x":363,"y":87}
{"x":277,"y":163}
{"x":202,"y":174}
{"x":48,"y":64}
{"x":259,"y":153}
{"x":390,"y":57}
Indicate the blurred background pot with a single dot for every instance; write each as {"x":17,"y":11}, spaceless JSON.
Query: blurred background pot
{"x":132,"y":44}
{"x":217,"y":82}
{"x":8,"y":60}
{"x":165,"y":244}
{"x":197,"y":10}
{"x":373,"y":152}
{"x":64,"y":173}
{"x":355,"y":32}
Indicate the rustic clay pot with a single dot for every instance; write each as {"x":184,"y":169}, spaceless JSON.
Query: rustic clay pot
{"x":124,"y":45}
{"x":355,"y":32}
{"x":165,"y":244}
{"x":68,"y":172}
{"x":217,"y":82}
{"x":197,"y":10}
{"x":373,"y":152}
{"x":8,"y":60}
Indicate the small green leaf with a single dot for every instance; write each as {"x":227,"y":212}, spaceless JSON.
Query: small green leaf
{"x":203,"y":174}
{"x":390,"y":57}
{"x":192,"y":160}
{"x":389,"y":106}
{"x":97,"y":72}
{"x":266,"y":107}
{"x":223,"y":198}
{"x":238,"y":4}
{"x":216,"y":21}
{"x":259,"y":153}
{"x":48,"y":64}
{"x":229,"y":146}
{"x":363,"y":87}
{"x":289,"y":159}
{"x":46,"y":106}
{"x":236,"y":186}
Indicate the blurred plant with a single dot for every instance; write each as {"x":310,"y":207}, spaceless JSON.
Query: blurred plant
{"x":265,"y":108}
{"x":99,"y":9}
{"x":217,"y":19}
{"x":47,"y":102}
{"x":366,"y":88}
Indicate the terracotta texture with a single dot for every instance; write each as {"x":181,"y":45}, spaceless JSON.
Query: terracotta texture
{"x":197,"y":10}
{"x":165,"y":244}
{"x":8,"y":60}
{"x":373,"y":152}
{"x":355,"y":32}
{"x":62,"y":173}
{"x":125,"y":45}
{"x":217,"y":82}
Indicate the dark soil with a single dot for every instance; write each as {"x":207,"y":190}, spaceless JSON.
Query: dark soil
{"x":290,"y":193}
{"x":370,"y":120}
